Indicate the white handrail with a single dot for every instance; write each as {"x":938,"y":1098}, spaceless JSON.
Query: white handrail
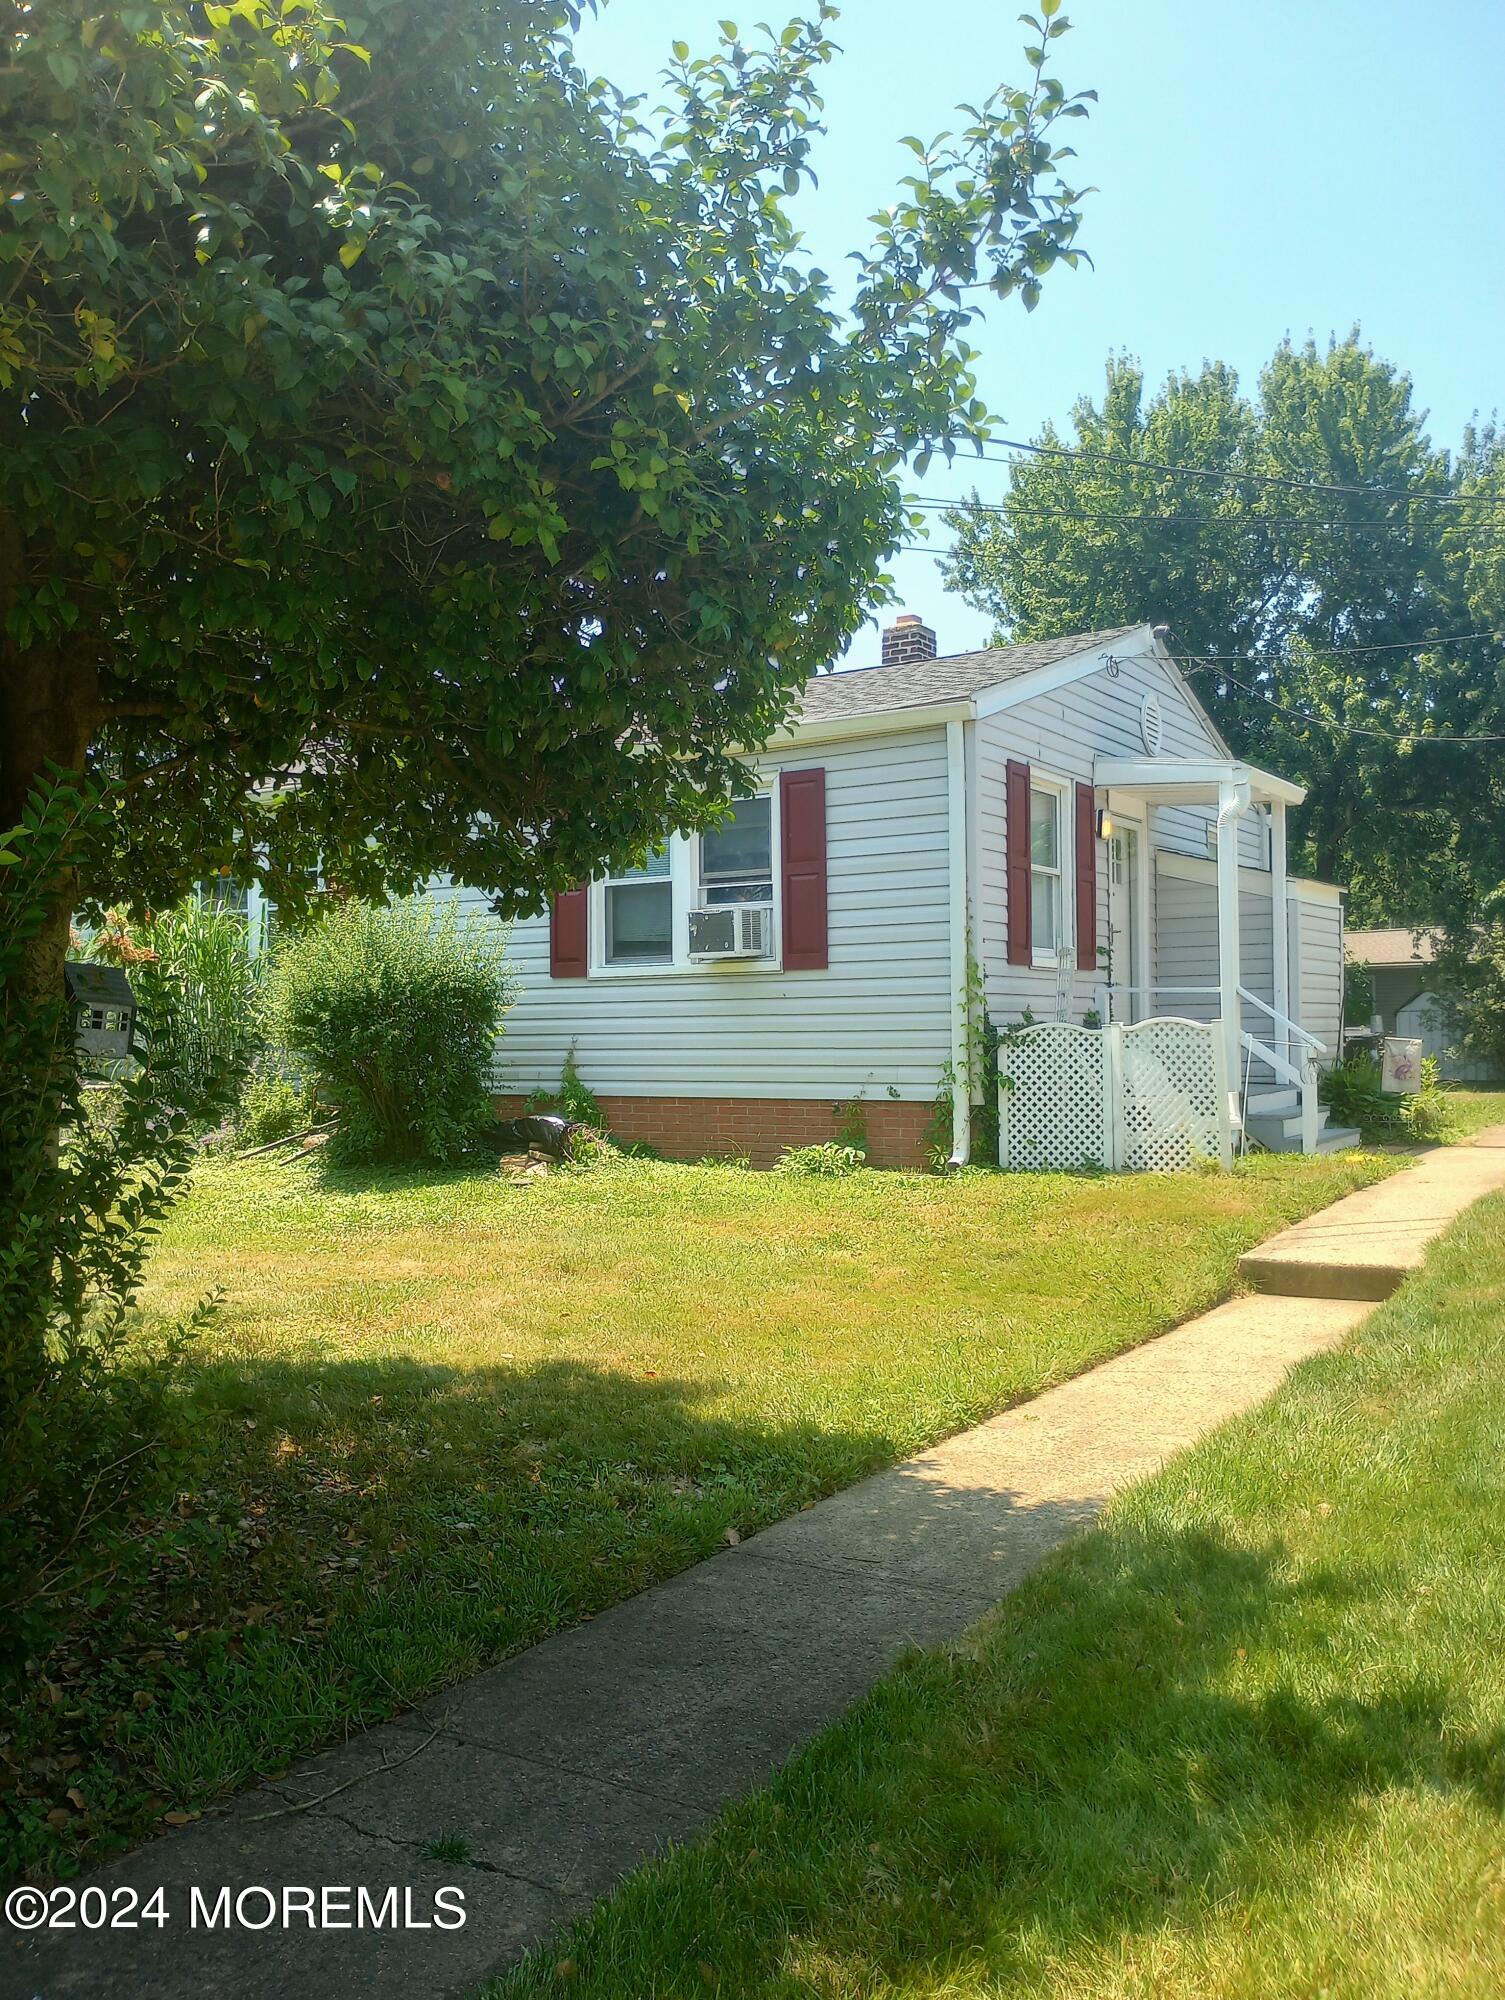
{"x":1286,"y":1071}
{"x":1285,"y":1021}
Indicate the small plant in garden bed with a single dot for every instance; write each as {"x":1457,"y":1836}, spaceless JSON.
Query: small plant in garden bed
{"x":830,"y":1159}
{"x":1352,"y":1091}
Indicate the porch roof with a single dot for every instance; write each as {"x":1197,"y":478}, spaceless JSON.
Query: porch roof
{"x":1193,"y":781}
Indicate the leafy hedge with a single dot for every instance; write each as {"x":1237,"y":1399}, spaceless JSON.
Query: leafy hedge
{"x":394,"y":1013}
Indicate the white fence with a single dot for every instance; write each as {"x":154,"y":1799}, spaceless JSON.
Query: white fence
{"x":1147,"y":1098}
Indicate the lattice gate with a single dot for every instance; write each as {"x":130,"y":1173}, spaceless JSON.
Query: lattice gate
{"x":1172,"y":1103}
{"x":1054,"y":1109}
{"x":1147,"y":1098}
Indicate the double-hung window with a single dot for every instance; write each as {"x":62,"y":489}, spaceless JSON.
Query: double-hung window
{"x":698,"y":899}
{"x":1046,"y":879}
{"x":736,"y":857}
{"x":639,"y":910}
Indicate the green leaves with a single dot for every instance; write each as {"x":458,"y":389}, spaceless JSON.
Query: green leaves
{"x":440,"y":427}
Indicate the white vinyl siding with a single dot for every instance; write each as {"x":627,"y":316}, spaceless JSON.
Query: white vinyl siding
{"x":1317,"y":964}
{"x":878,"y":1018}
{"x":1061,"y":733}
{"x":1186,"y":943}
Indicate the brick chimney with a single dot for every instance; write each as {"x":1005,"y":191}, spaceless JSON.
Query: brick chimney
{"x":908,"y":640}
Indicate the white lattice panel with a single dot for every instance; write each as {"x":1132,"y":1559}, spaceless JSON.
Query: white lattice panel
{"x":1051,"y":1112}
{"x":1170,"y":1103}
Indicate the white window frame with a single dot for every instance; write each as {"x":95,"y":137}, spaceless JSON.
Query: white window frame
{"x":1060,"y":790}
{"x":597,"y":907}
{"x":684,"y":879}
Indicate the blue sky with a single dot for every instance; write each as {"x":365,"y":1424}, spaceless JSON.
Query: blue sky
{"x":1263,"y":168}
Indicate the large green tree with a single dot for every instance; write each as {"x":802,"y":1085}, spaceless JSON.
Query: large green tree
{"x":388,"y":408}
{"x":1312,"y":622}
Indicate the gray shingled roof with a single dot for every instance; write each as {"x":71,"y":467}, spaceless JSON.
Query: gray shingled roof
{"x":1390,"y":947}
{"x":915,"y":683}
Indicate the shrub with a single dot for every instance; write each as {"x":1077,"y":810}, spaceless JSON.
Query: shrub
{"x":831,"y":1159}
{"x":85,"y":1179}
{"x":1429,"y":1115}
{"x":199,"y":998}
{"x":273,"y":1106}
{"x":574,"y":1098}
{"x":394,"y":1013}
{"x":1352,"y":1092}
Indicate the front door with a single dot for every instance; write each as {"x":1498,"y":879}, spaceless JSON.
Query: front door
{"x":1127,"y":999}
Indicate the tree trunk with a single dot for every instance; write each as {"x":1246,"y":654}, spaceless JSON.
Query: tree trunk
{"x":49,"y":707}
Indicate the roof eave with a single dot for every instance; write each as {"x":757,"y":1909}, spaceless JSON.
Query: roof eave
{"x":873,"y":722}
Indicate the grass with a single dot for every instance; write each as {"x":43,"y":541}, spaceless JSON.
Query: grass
{"x":441,"y":1415}
{"x":1245,"y":1740}
{"x":1471,"y":1108}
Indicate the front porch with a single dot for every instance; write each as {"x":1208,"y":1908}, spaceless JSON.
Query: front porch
{"x":1201,"y":1047}
{"x":1270,"y":1057}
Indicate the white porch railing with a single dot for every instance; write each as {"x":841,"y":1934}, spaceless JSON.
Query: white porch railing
{"x":1303,"y":1074}
{"x":1151,"y":1097}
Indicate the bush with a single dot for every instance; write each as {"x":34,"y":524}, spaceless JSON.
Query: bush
{"x":85,"y":1179}
{"x":273,"y":1106}
{"x":1428,"y":1115}
{"x":1352,"y":1093}
{"x":574,"y":1098}
{"x":394,"y":1014}
{"x":199,"y":998}
{"x":831,"y":1160}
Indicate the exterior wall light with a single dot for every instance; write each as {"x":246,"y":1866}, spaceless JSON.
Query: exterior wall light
{"x":1104,"y":823}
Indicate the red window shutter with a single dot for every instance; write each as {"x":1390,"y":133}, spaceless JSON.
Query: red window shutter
{"x":802,"y":825}
{"x":568,"y":932}
{"x":1016,"y":862}
{"x":1086,"y":878}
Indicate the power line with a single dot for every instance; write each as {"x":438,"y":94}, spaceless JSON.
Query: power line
{"x":1012,"y":507}
{"x":1386,"y":646}
{"x":1327,"y":722}
{"x":1222,"y":472}
{"x":927,"y":552}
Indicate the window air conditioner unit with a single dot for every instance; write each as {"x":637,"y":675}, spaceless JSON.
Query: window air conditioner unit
{"x":736,"y":930}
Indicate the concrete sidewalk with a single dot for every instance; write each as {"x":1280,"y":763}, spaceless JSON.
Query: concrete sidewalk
{"x":565,"y":1767}
{"x":1366,"y":1245}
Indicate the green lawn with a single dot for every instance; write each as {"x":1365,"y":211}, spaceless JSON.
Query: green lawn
{"x":1473,"y":1108}
{"x":442,"y":1415}
{"x":1246,"y":1741}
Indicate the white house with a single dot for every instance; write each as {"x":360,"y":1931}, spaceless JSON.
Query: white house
{"x":1055,"y":831}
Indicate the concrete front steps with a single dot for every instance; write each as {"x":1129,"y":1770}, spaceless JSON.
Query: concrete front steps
{"x":1273,"y":1117}
{"x":1368,"y":1243}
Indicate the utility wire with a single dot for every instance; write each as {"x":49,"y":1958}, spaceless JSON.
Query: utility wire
{"x":1387,"y":646}
{"x":1012,"y":507}
{"x":1326,"y":721}
{"x":1222,"y":472}
{"x":927,"y":552}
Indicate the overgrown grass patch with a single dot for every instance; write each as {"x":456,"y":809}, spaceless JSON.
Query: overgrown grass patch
{"x":442,"y":1414}
{"x":1471,"y":1108}
{"x":1245,"y":1740}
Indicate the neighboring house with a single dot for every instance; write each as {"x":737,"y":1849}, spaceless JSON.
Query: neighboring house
{"x":1398,"y":962}
{"x":1406,"y":1002}
{"x":929,"y":838}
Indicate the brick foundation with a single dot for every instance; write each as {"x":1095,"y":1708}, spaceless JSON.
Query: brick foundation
{"x":757,"y":1128}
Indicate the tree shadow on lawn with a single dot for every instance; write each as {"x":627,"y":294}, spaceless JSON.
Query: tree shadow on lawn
{"x":1154,"y":1724}
{"x":332,"y":1539}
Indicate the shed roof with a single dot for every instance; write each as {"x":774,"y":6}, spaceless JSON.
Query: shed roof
{"x":917,"y":683}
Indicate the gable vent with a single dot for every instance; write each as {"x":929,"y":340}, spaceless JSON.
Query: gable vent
{"x":1151,"y":727}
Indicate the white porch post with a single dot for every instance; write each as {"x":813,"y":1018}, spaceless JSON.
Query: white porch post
{"x":1231,"y":799}
{"x":1280,"y":914}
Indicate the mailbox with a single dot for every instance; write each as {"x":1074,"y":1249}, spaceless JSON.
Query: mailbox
{"x":103,"y":1008}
